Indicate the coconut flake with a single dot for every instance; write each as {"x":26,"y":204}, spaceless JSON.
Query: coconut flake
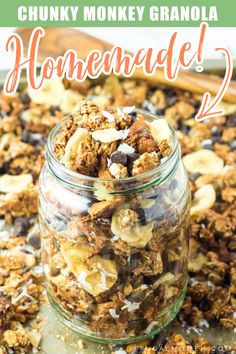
{"x":113,"y":313}
{"x":210,"y":284}
{"x":149,"y":106}
{"x":120,"y":351}
{"x":115,"y":238}
{"x":108,"y":115}
{"x":38,"y":270}
{"x":82,"y":280}
{"x":4,"y":235}
{"x":131,"y":306}
{"x":114,"y":169}
{"x":126,"y":149}
{"x":108,"y":135}
{"x":196,"y":330}
{"x":193,"y":281}
{"x":99,"y":265}
{"x":109,"y":162}
{"x":120,"y":113}
{"x":21,"y":295}
{"x":103,"y":283}
{"x":2,"y":223}
{"x":46,"y":269}
{"x":204,"y":323}
{"x":150,"y":326}
{"x":125,"y":133}
{"x":129,"y":109}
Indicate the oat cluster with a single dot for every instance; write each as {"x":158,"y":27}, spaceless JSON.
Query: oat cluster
{"x":209,"y":154}
{"x":112,"y":142}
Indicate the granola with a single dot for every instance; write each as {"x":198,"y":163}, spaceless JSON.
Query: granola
{"x":212,"y":288}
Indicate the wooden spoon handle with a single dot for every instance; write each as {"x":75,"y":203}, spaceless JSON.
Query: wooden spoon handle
{"x":58,"y":40}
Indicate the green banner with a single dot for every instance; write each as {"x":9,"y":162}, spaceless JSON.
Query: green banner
{"x":118,"y":13}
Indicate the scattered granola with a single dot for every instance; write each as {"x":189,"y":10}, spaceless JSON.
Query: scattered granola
{"x":211,"y":292}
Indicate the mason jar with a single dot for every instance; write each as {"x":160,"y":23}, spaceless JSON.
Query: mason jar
{"x":121,"y":276}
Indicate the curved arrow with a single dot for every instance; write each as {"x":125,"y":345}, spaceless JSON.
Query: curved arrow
{"x":207,"y":107}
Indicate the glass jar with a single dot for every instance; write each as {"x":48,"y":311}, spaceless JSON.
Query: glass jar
{"x":115,"y":251}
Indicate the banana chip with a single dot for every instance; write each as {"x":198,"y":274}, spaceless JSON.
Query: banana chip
{"x":95,"y":274}
{"x":73,"y":147}
{"x":125,"y":224}
{"x":73,"y":253}
{"x":15,"y":184}
{"x":69,"y":100}
{"x":160,"y":130}
{"x":203,"y":161}
{"x":101,"y":192}
{"x":204,"y":198}
{"x":51,"y":94}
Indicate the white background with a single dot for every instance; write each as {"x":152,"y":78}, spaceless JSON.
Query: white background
{"x":135,"y":38}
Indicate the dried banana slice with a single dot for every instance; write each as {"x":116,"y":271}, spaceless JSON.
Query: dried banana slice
{"x":15,"y":184}
{"x":69,"y":100}
{"x":203,"y":161}
{"x":73,"y":253}
{"x":126,"y":224}
{"x":99,"y":276}
{"x":204,"y":198}
{"x":101,"y":192}
{"x":160,"y":130}
{"x":51,"y":94}
{"x":95,"y":274}
{"x":6,"y":139}
{"x":229,"y":108}
{"x":73,"y":147}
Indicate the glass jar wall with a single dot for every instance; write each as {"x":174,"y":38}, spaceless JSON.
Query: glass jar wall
{"x":115,"y":251}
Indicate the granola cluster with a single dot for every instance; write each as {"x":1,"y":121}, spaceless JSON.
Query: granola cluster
{"x":114,"y":142}
{"x":25,"y":122}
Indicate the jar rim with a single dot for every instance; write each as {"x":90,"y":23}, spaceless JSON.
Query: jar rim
{"x":55,"y":164}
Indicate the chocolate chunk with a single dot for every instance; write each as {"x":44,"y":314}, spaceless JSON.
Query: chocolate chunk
{"x":141,"y":214}
{"x":133,"y":116}
{"x":207,"y":144}
{"x":137,"y":296}
{"x":160,"y":112}
{"x":137,"y":351}
{"x":34,"y":241}
{"x":134,"y":261}
{"x":171,"y":101}
{"x":221,"y":349}
{"x":33,"y":138}
{"x":149,"y":280}
{"x":53,"y":110}
{"x":194,"y":176}
{"x":232,"y":144}
{"x":216,"y":130}
{"x":184,"y":128}
{"x":156,"y":212}
{"x":25,"y":99}
{"x":158,"y":342}
{"x":21,"y":226}
{"x":119,"y":157}
{"x":173,"y":185}
{"x":231,"y":121}
{"x":130,"y":160}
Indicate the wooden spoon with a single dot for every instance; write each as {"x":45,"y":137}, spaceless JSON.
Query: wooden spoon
{"x":58,"y":40}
